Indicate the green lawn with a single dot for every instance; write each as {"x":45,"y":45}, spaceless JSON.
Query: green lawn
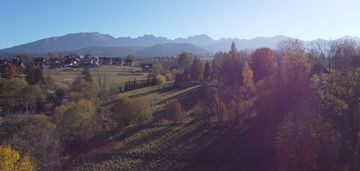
{"x":113,"y":75}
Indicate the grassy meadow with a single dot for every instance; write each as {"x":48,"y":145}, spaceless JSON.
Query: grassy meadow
{"x":113,"y":75}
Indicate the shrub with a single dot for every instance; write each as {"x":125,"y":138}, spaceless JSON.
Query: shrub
{"x":10,"y":159}
{"x":160,"y":79}
{"x":10,"y":92}
{"x":82,"y":89}
{"x":77,"y":121}
{"x":175,"y":111}
{"x":38,"y":137}
{"x":127,"y":111}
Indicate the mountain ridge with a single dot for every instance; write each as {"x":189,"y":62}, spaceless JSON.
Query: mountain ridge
{"x":99,"y":43}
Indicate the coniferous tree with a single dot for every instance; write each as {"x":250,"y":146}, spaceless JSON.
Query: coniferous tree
{"x":34,"y":75}
{"x":197,"y":69}
{"x":207,"y":71}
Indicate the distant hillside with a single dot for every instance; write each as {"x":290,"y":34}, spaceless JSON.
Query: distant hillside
{"x":199,"y":40}
{"x":141,"y":41}
{"x":108,"y":51}
{"x":224,"y":44}
{"x":106,"y":45}
{"x":68,"y":42}
{"x":171,"y":49}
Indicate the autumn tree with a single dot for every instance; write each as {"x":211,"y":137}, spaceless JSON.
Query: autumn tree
{"x":345,"y":55}
{"x":11,"y":93}
{"x":10,"y":159}
{"x":231,"y":72}
{"x":129,"y":111}
{"x":299,"y":141}
{"x":185,"y":59}
{"x":263,"y":63}
{"x":160,"y":79}
{"x":8,"y":70}
{"x":38,"y":137}
{"x":294,"y":46}
{"x":32,"y":96}
{"x":248,"y":80}
{"x":218,"y":108}
{"x":338,"y":93}
{"x":158,"y":68}
{"x":319,"y":52}
{"x":77,"y":121}
{"x":241,"y":97}
{"x":296,"y":69}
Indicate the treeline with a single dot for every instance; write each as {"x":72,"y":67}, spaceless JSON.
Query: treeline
{"x":303,"y":103}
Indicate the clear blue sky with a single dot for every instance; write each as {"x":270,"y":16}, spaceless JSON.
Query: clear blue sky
{"x":22,"y":21}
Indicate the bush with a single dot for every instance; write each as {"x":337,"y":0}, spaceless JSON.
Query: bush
{"x":127,"y":111}
{"x":77,"y":121}
{"x":38,"y":137}
{"x":10,"y":159}
{"x":160,"y":79}
{"x":10,"y":92}
{"x":175,"y":111}
{"x":82,"y":89}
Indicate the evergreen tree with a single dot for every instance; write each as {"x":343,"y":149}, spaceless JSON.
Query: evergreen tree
{"x":263,"y":63}
{"x":197,"y":69}
{"x":207,"y":71}
{"x":34,"y":75}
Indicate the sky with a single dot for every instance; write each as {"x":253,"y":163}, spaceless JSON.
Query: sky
{"x":23,"y":21}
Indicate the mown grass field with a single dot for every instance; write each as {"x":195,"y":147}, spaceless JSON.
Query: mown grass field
{"x":113,"y":75}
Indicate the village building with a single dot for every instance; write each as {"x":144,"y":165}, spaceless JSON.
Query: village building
{"x":105,"y":61}
{"x":146,"y":67}
{"x":39,"y":62}
{"x":129,"y":62}
{"x":117,"y":61}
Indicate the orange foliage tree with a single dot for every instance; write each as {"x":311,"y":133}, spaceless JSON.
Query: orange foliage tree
{"x":8,"y":70}
{"x":10,"y":159}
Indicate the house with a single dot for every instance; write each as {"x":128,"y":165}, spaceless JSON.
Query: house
{"x":129,"y":62}
{"x":3,"y":62}
{"x":105,"y":61}
{"x":18,"y":62}
{"x":88,"y":61}
{"x":71,"y":62}
{"x":146,"y":67}
{"x":117,"y":61}
{"x":55,"y":62}
{"x":39,"y":62}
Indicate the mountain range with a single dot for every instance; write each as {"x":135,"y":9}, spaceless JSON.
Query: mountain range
{"x":143,"y":46}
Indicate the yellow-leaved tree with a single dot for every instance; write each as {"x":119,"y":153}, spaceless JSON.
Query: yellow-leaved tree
{"x":10,"y":159}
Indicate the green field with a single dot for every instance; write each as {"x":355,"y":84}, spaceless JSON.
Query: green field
{"x":113,"y":75}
